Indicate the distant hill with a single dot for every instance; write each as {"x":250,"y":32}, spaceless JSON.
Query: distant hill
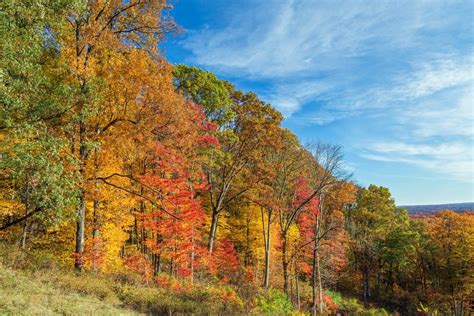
{"x":457,"y":207}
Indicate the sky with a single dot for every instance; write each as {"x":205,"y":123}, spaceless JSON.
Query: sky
{"x":392,"y":82}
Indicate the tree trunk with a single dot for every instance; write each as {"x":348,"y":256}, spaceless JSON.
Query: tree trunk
{"x":298,"y":299}
{"x":284,"y":259}
{"x":81,"y":209}
{"x":458,"y":307}
{"x":318,"y":266}
{"x":320,"y":284}
{"x":143,"y":231}
{"x":95,"y":214}
{"x":157,"y":263}
{"x":365,"y":277}
{"x":24,"y":235}
{"x":25,"y":227}
{"x":389,"y":282}
{"x":314,"y":308}
{"x":266,"y":282}
{"x":291,"y":296}
{"x":192,"y":258}
{"x":379,"y":277}
{"x":267,"y":242}
{"x":212,"y":233}
{"x":247,"y":242}
{"x":80,"y":225}
{"x":95,"y":235}
{"x":317,"y":282}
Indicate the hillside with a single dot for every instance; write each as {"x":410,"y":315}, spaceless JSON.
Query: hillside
{"x":456,"y":207}
{"x":32,"y":284}
{"x":20,"y":294}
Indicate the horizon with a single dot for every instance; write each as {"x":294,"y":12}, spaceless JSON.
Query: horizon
{"x":391,"y":83}
{"x":453,"y":203}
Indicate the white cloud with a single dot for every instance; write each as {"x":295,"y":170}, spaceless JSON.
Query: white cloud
{"x":405,"y":64}
{"x":453,"y":159}
{"x":290,"y":96}
{"x":435,"y":99}
{"x":435,"y":129}
{"x":405,"y":90}
{"x":442,"y":116}
{"x":278,"y":38}
{"x":405,"y":149}
{"x":443,"y":73}
{"x":305,"y":48}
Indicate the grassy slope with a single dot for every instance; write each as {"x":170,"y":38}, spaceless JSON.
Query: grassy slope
{"x":31,"y":283}
{"x":20,"y":295}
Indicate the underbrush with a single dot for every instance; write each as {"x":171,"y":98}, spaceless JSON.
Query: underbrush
{"x":124,"y":289}
{"x":352,"y":306}
{"x":273,"y":302}
{"x":41,"y":285}
{"x":22,"y":293}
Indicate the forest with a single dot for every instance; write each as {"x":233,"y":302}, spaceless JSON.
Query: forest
{"x":162,"y":189}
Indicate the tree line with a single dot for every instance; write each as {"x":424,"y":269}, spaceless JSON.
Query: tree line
{"x":113,"y":158}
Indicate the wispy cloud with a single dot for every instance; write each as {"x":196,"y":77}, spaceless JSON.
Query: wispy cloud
{"x":406,"y":65}
{"x":432,"y":115}
{"x":291,"y":96}
{"x":411,"y":93}
{"x":443,"y":115}
{"x":453,"y":159}
{"x":311,"y":52}
{"x":439,"y":74}
{"x":442,"y":150}
{"x":287,"y":37}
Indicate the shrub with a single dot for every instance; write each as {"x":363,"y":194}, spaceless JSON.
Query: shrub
{"x":351,"y":306}
{"x":273,"y":302}
{"x":126,"y":277}
{"x":88,"y":285}
{"x":207,"y":301}
{"x":150,"y":300}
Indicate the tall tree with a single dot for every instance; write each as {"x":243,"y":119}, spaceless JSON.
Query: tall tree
{"x":452,"y":236}
{"x":204,"y":88}
{"x":369,"y":223}
{"x":322,"y":166}
{"x":34,"y":171}
{"x":237,"y":170}
{"x":103,"y":39}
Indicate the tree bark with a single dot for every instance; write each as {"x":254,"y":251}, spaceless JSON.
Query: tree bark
{"x":247,"y":242}
{"x":21,"y":219}
{"x":298,"y":299}
{"x":318,"y":266}
{"x":317,"y":282}
{"x":284,"y":259}
{"x":314,"y":308}
{"x":143,"y":231}
{"x":95,"y":234}
{"x":267,"y":242}
{"x":157,"y":263}
{"x":192,"y":258}
{"x":212,"y":232}
{"x":81,"y":209}
{"x":320,"y":284}
{"x":365,"y":277}
{"x":80,"y":225}
{"x":25,"y":227}
{"x":24,"y":235}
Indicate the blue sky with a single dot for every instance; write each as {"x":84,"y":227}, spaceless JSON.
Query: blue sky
{"x":390,"y":81}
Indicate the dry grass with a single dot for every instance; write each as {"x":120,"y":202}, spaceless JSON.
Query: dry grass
{"x":20,"y":294}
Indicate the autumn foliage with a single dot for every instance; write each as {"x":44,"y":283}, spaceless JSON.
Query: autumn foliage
{"x":116,"y":162}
